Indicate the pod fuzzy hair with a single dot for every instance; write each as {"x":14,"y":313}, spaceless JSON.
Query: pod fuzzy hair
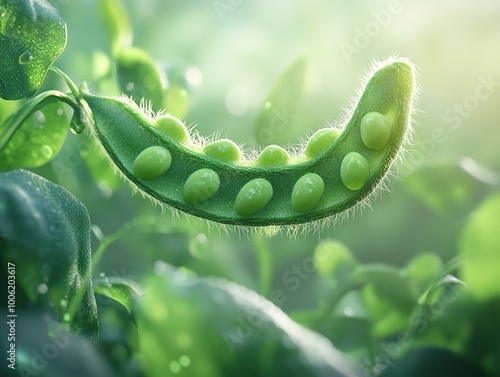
{"x":197,"y":142}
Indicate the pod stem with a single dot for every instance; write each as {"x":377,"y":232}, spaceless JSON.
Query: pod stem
{"x":71,"y":85}
{"x":15,"y":121}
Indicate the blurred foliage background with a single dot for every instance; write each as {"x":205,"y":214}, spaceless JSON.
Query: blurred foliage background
{"x":229,"y":58}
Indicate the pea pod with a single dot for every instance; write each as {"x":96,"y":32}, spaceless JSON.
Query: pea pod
{"x":350,"y":163}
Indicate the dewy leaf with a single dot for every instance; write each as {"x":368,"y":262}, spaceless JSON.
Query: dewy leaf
{"x":38,"y":140}
{"x":139,"y":77}
{"x":32,"y":36}
{"x":218,"y":328}
{"x":480,"y":248}
{"x":121,"y":290}
{"x":442,"y":188}
{"x":45,"y":233}
{"x":281,"y":105}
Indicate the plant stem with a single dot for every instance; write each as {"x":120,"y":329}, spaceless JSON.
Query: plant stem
{"x":71,"y":85}
{"x":265,"y":265}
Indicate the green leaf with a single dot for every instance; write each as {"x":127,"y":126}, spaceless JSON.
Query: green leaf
{"x":215,"y":328}
{"x":121,"y":290}
{"x":6,"y":109}
{"x":45,"y":232}
{"x":38,"y":140}
{"x":434,"y":362}
{"x":32,"y":36}
{"x":442,"y":188}
{"x":422,"y":269}
{"x":480,"y":248}
{"x":139,"y":77}
{"x":388,"y":296}
{"x":447,"y":284}
{"x":332,"y":258}
{"x":389,"y":282}
{"x":280,"y":108}
{"x":39,"y":336}
{"x":115,"y":19}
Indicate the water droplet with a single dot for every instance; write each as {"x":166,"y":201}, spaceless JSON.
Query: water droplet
{"x":66,"y":317}
{"x":42,"y":289}
{"x":60,"y":112}
{"x":76,"y":126}
{"x":185,"y":361}
{"x":46,"y":151}
{"x":161,"y":268}
{"x":175,"y":367}
{"x":348,"y":311}
{"x":40,"y":116}
{"x":130,"y":86}
{"x":64,"y":304}
{"x":102,"y":275}
{"x":25,"y":58}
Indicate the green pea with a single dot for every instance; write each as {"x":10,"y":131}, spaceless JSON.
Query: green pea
{"x":224,"y":150}
{"x":273,"y":190}
{"x":201,"y":186}
{"x":152,"y":162}
{"x":253,"y":197}
{"x":320,"y":141}
{"x":272,"y":155}
{"x":307,"y":192}
{"x":172,"y":127}
{"x":354,"y":171}
{"x":375,"y":130}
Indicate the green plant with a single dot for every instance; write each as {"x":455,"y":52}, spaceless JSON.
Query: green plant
{"x":186,"y":301}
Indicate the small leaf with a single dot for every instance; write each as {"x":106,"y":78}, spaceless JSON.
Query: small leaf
{"x":139,"y":77}
{"x":280,"y":107}
{"x":422,"y":269}
{"x":115,"y":19}
{"x":32,"y":36}
{"x":38,"y":140}
{"x":480,"y":247}
{"x":45,"y":232}
{"x":121,"y":290}
{"x":442,"y":188}
{"x":389,"y":282}
{"x":332,"y":257}
{"x":220,"y":328}
{"x":447,"y":284}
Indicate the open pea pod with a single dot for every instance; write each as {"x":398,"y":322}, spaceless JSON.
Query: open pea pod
{"x":32,"y":36}
{"x":211,"y":327}
{"x":45,"y":234}
{"x":337,"y":169}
